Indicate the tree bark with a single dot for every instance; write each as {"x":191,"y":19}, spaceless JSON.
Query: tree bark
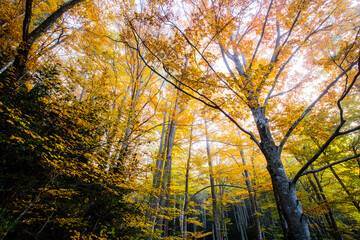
{"x":160,"y":199}
{"x":336,"y":234}
{"x":217,"y":226}
{"x":155,"y":196}
{"x":293,"y":220}
{"x":355,"y":203}
{"x":167,"y":171}
{"x":28,"y":39}
{"x":186,"y":192}
{"x":252,"y":198}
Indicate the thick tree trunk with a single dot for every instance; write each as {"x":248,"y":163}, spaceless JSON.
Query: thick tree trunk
{"x":24,"y":48}
{"x":217,"y":226}
{"x":294,"y":222}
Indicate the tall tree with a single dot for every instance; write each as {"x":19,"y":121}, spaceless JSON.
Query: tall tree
{"x":30,"y":37}
{"x":241,"y":33}
{"x":214,"y":197}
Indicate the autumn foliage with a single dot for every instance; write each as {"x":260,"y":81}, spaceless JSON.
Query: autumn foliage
{"x":179,"y":119}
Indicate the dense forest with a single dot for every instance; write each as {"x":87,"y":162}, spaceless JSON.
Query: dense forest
{"x":187,"y":119}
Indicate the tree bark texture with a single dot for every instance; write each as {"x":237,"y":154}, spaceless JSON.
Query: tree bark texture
{"x":28,"y":38}
{"x":293,"y":221}
{"x":159,"y":200}
{"x":186,"y":192}
{"x":217,"y":226}
{"x":252,"y":198}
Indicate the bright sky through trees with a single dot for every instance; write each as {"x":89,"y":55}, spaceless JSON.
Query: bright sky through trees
{"x":179,"y":119}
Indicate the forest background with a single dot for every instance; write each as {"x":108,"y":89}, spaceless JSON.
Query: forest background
{"x":179,"y":119}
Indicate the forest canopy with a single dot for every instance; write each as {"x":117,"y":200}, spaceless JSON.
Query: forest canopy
{"x":179,"y":119}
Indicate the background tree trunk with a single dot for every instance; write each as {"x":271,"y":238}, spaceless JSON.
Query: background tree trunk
{"x":252,"y":198}
{"x":217,"y":226}
{"x":186,"y":192}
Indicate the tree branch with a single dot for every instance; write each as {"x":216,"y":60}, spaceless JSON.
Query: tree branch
{"x":309,"y":108}
{"x":48,"y":22}
{"x":330,"y":165}
{"x":203,"y":99}
{"x":337,"y":131}
{"x":262,"y":34}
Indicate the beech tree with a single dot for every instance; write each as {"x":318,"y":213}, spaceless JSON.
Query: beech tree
{"x":28,"y":38}
{"x":59,"y":174}
{"x":259,"y":43}
{"x":102,"y":119}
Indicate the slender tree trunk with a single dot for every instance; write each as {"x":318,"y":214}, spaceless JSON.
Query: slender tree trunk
{"x":335,"y":233}
{"x":167,"y":171}
{"x":155,"y":196}
{"x":160,"y":199}
{"x":354,"y":202}
{"x":222,"y":213}
{"x":186,"y":192}
{"x":252,"y":198}
{"x":217,"y":227}
{"x":293,"y":221}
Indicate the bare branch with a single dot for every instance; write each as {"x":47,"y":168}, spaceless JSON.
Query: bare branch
{"x":32,"y":202}
{"x":262,"y":34}
{"x":225,"y":61}
{"x":217,"y":33}
{"x":318,"y":153}
{"x":291,"y":28}
{"x":330,"y":165}
{"x":309,"y":108}
{"x":350,"y":130}
{"x":7,"y":66}
{"x":202,"y":98}
{"x":20,"y":15}
{"x":287,"y":91}
{"x":282,"y":68}
{"x":336,"y":132}
{"x":48,"y":22}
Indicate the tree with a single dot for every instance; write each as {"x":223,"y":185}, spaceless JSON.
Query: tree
{"x":58,"y":173}
{"x":52,"y":164}
{"x":29,"y":38}
{"x":241,"y":33}
{"x":216,"y":215}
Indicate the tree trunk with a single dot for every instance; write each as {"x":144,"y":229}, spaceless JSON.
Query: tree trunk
{"x":28,"y":39}
{"x":24,"y":48}
{"x":217,"y":227}
{"x":293,"y":221}
{"x":167,"y":171}
{"x":186,"y":192}
{"x":155,"y":196}
{"x":252,"y":198}
{"x":335,"y":233}
{"x":354,"y":202}
{"x":223,"y":214}
{"x":160,"y":199}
